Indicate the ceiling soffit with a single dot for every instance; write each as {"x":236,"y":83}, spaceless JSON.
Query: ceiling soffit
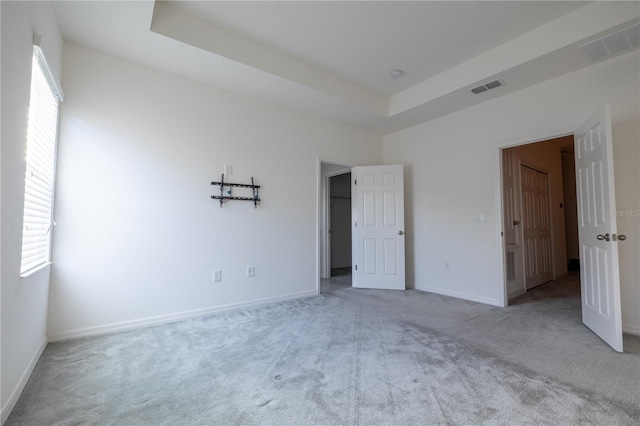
{"x":171,"y":39}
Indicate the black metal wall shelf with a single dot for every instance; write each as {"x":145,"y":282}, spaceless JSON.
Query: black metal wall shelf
{"x":224,"y":198}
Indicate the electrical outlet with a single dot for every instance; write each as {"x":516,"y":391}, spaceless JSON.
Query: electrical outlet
{"x":217,"y":275}
{"x":251,"y":271}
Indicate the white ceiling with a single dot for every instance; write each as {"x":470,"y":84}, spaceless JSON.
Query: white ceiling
{"x":363,"y":41}
{"x":333,"y":58}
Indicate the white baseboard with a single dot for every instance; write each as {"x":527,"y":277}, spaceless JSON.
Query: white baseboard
{"x":459,"y":295}
{"x":631,"y":329}
{"x":11,"y":402}
{"x":178,"y":316}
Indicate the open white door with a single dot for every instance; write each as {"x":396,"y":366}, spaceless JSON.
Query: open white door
{"x":512,"y":230}
{"x":599,"y":275}
{"x":378,"y":233}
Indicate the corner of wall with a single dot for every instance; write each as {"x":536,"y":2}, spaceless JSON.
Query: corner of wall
{"x":24,"y":378}
{"x":24,"y":300}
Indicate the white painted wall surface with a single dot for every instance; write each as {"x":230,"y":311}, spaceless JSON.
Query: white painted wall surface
{"x":451,"y":166}
{"x":138,"y":235}
{"x":24,"y":301}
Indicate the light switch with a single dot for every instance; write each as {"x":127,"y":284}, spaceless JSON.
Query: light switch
{"x":478,"y":217}
{"x":228,"y":169}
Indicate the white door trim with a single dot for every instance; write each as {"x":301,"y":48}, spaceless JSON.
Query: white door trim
{"x":322,"y":203}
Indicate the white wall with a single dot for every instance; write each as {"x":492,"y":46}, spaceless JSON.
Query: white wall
{"x":452,"y":165}
{"x":24,"y":301}
{"x":138,"y":235}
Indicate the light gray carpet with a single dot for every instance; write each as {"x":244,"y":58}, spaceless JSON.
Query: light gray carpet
{"x":328,"y":285}
{"x":350,"y":357}
{"x":346,"y":278}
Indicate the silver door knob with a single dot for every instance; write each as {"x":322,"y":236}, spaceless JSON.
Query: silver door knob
{"x":620,"y":237}
{"x":400,"y":232}
{"x":603,"y":237}
{"x":516,"y":222}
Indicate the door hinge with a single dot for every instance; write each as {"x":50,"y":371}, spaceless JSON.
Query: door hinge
{"x":355,"y":182}
{"x":356,"y":224}
{"x":356,"y":267}
{"x":501,"y":234}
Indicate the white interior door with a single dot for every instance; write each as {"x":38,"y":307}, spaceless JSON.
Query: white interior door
{"x":512,"y":229}
{"x":599,"y":274}
{"x":536,"y":227}
{"x":378,"y":243}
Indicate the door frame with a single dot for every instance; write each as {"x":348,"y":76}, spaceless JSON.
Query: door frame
{"x":499,"y":201}
{"x":322,"y":214}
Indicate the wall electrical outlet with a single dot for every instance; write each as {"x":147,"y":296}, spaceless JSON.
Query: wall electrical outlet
{"x":251,"y":271}
{"x":217,"y":276}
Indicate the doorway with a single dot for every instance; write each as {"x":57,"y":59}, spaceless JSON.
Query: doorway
{"x":377,"y":205}
{"x":340,"y":227}
{"x":539,"y":213}
{"x":597,"y":229}
{"x":334,"y":226}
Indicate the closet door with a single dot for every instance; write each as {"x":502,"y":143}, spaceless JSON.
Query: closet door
{"x":536,"y":227}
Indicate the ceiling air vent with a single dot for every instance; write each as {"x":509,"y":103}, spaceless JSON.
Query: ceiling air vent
{"x":490,"y":85}
{"x":613,"y":44}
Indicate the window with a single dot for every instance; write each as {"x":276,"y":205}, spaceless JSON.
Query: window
{"x":42,"y":132}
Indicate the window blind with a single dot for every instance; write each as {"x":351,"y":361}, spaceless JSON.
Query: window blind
{"x":42,"y":129}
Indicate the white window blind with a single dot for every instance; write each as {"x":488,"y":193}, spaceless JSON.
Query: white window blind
{"x":42,"y":130}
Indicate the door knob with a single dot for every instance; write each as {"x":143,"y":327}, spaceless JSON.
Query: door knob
{"x":620,"y":237}
{"x":400,"y":232}
{"x":603,"y":237}
{"x":516,"y":222}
